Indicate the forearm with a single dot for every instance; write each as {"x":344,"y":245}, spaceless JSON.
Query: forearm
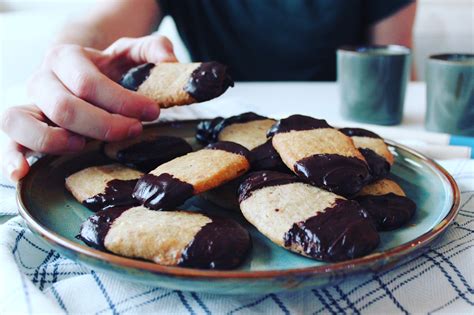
{"x":109,"y":21}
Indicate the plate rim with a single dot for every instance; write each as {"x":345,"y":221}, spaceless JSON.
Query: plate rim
{"x":354,"y":265}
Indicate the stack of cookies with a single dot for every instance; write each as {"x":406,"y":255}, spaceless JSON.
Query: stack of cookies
{"x":310,"y":188}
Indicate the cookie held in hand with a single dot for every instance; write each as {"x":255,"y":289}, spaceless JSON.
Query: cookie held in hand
{"x":387,"y":204}
{"x":174,"y":238}
{"x":320,"y":154}
{"x":172,"y":84}
{"x":306,"y":219}
{"x":374,"y":150}
{"x":100,"y":187}
{"x":147,"y":152}
{"x":172,"y":183}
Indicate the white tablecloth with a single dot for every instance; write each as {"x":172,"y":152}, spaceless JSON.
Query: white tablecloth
{"x":34,"y":278}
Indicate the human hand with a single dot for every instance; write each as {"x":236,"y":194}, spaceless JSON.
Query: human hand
{"x":75,"y":96}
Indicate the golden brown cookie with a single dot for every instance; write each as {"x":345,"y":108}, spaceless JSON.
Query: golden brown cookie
{"x":306,"y":219}
{"x":174,"y":238}
{"x":170,"y":184}
{"x":104,"y":186}
{"x":148,"y":151}
{"x":320,"y":154}
{"x":172,"y":84}
{"x":387,"y":204}
{"x":247,"y":129}
{"x":374,"y":150}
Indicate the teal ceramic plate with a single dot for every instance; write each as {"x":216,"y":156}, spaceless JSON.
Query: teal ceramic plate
{"x":51,"y":212}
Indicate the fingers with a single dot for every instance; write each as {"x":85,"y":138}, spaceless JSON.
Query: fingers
{"x":25,"y":126}
{"x":76,"y":115}
{"x":15,"y":165}
{"x":153,"y":48}
{"x":72,"y":66}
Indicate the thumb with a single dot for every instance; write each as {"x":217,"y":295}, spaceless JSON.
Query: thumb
{"x":152,"y":48}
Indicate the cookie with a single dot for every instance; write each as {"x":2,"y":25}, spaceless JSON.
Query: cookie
{"x":306,"y":219}
{"x":172,"y":84}
{"x":387,"y":204}
{"x":320,"y":154}
{"x":147,"y":152}
{"x":171,"y":183}
{"x":374,"y":150}
{"x":100,"y":187}
{"x":174,"y":238}
{"x":247,"y":129}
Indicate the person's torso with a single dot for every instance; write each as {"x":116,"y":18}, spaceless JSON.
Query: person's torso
{"x":269,"y":40}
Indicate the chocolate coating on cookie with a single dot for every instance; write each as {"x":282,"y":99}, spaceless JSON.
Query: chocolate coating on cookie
{"x":359,"y":132}
{"x":265,"y":157}
{"x":96,"y":227}
{"x":147,"y":155}
{"x":342,"y":175}
{"x":389,"y":211}
{"x":261,"y":179}
{"x":136,"y":76}
{"x":208,"y":131}
{"x":378,"y":165}
{"x":163,"y":192}
{"x":208,"y":81}
{"x":339,"y":233}
{"x":230,"y":147}
{"x":117,"y":193}
{"x":220,"y":244}
{"x":297,"y":123}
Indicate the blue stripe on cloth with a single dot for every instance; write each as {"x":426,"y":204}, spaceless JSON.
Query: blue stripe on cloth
{"x":280,"y":304}
{"x":58,"y":298}
{"x":7,"y":186}
{"x":22,"y":232}
{"x":45,"y":261}
{"x":456,"y":270}
{"x":450,"y":279}
{"x":17,"y":241}
{"x":146,"y":302}
{"x":201,"y":303}
{"x":459,"y":226}
{"x":249,"y":305}
{"x":389,"y":294}
{"x":332,"y":301}
{"x":43,"y":273}
{"x":104,"y":292}
{"x":130,"y":298}
{"x":348,"y":301}
{"x":325,"y":304}
{"x":27,"y":294}
{"x":185,"y":302}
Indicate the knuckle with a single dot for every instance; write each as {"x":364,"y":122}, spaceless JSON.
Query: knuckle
{"x":62,"y":112}
{"x":44,"y":141}
{"x":7,"y":119}
{"x":83,"y":85}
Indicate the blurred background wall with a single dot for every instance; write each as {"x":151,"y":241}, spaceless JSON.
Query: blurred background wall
{"x":27,"y":27}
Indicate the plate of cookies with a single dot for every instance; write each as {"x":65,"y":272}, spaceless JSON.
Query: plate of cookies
{"x":240,"y":205}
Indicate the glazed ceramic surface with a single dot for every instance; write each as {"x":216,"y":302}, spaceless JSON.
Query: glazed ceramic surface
{"x":56,"y":216}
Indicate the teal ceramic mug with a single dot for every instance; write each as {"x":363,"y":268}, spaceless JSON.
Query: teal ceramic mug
{"x":450,"y":94}
{"x":372,"y":82}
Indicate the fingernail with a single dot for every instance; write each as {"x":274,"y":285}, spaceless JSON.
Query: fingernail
{"x":75,"y":143}
{"x":150,"y":112}
{"x":135,"y":130}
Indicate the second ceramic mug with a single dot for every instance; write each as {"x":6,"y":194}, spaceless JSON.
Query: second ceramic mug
{"x":372,"y":82}
{"x":450,"y":94}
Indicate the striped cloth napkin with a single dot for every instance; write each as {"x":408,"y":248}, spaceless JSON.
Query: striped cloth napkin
{"x":34,"y":278}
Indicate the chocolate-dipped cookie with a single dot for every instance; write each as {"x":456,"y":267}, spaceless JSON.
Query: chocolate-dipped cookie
{"x":171,"y":183}
{"x":100,"y":187}
{"x":247,"y":129}
{"x":374,"y":150}
{"x":306,"y":219}
{"x":147,"y":152}
{"x":172,"y":84}
{"x":174,"y":238}
{"x":320,"y":154}
{"x":387,"y":204}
